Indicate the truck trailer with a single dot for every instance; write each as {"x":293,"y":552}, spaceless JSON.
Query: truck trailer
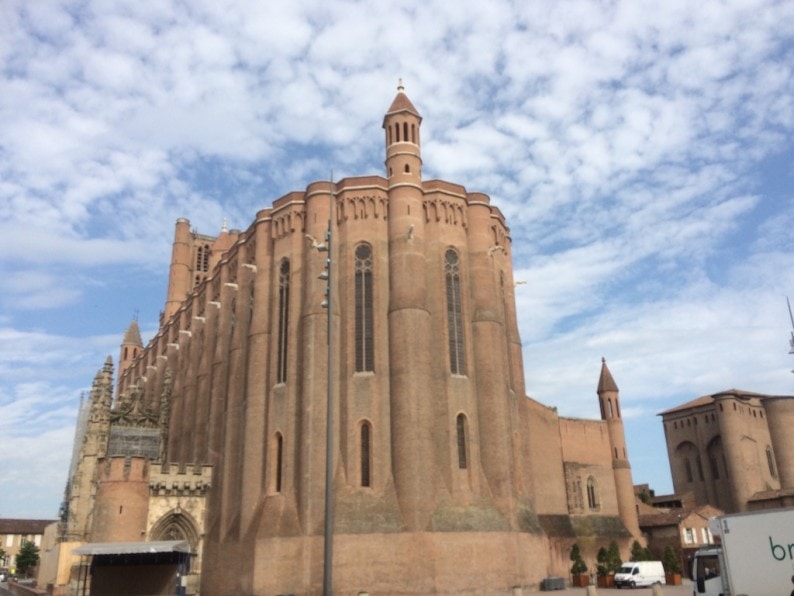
{"x":755,"y":556}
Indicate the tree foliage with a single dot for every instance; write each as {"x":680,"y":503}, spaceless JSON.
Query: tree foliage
{"x":579,"y":567}
{"x":670,"y":560}
{"x":640,"y":553}
{"x":28,"y":557}
{"x":609,"y":560}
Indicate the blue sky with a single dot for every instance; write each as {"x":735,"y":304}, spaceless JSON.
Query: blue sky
{"x":642,"y":152}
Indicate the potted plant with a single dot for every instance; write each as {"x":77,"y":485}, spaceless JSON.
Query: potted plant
{"x":608,"y":563}
{"x":579,"y":568}
{"x":672,"y":567}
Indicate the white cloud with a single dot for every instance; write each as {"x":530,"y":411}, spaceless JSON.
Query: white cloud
{"x":640,"y":150}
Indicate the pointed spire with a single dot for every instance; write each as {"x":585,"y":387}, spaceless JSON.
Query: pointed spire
{"x":401,"y":103}
{"x":133,"y":335}
{"x":606,"y":382}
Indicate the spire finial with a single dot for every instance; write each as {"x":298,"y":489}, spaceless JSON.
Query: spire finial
{"x":225,"y":227}
{"x":400,"y":86}
{"x":603,"y":360}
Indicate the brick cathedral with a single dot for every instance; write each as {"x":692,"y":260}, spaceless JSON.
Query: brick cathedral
{"x":447,"y":477}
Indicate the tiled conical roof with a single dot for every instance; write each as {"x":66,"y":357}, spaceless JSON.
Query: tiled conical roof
{"x":133,"y":335}
{"x":401,"y":103}
{"x":606,"y":382}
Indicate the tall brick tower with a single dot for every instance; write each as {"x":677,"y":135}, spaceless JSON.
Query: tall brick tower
{"x":609,"y":400}
{"x":409,"y":316}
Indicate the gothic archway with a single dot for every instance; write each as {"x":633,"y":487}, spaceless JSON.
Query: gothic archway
{"x":177,"y":525}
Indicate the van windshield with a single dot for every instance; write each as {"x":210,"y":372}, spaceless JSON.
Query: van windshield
{"x":626,"y":569}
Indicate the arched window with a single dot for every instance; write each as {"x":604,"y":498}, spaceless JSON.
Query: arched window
{"x":203,"y":258}
{"x":365,"y":353}
{"x":283,"y":322}
{"x":278,"y":462}
{"x":457,"y":360}
{"x":699,"y":465}
{"x":770,"y":461}
{"x":688,"y":470}
{"x":592,"y":493}
{"x":463,"y":461}
{"x":366,"y":454}
{"x":609,"y":408}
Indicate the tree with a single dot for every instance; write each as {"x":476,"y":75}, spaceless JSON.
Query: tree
{"x":614,"y":557}
{"x":28,"y":557}
{"x":602,"y":568}
{"x":608,"y":559}
{"x":670,"y":561}
{"x":640,"y":553}
{"x":2,"y":557}
{"x":579,"y":567}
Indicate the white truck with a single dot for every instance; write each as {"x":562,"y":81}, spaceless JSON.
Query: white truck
{"x":756,"y":556}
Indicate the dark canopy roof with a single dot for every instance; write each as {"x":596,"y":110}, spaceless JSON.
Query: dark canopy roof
{"x":132,"y":548}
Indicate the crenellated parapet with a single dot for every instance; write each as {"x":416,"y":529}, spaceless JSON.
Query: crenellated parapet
{"x":191,"y":481}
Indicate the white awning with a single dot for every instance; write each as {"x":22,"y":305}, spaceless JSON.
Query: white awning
{"x":133,"y":548}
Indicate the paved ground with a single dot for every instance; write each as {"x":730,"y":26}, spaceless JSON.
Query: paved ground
{"x":683,"y":590}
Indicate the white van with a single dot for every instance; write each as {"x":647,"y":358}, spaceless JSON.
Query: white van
{"x":639,"y":573}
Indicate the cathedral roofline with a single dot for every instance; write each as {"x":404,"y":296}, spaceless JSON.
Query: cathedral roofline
{"x":705,"y":400}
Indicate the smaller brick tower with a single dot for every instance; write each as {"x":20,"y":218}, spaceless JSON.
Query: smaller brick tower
{"x":122,"y":500}
{"x":609,"y":400}
{"x":131,"y":346}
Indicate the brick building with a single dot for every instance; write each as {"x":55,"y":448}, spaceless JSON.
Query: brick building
{"x":733,"y":450}
{"x":446,"y":477}
{"x":13,"y":532}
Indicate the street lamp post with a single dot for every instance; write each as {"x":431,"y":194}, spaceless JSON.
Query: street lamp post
{"x":328,"y":540}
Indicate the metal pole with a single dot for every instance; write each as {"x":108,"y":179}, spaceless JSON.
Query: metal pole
{"x":329,"y":424}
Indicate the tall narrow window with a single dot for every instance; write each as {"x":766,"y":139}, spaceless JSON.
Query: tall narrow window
{"x":715,"y":469}
{"x":457,"y":360}
{"x":365,"y":354}
{"x":463,"y":462}
{"x":770,"y":460}
{"x":688,"y":470}
{"x":366,"y":451}
{"x":283,"y":322}
{"x":278,"y":466}
{"x":592,"y":493}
